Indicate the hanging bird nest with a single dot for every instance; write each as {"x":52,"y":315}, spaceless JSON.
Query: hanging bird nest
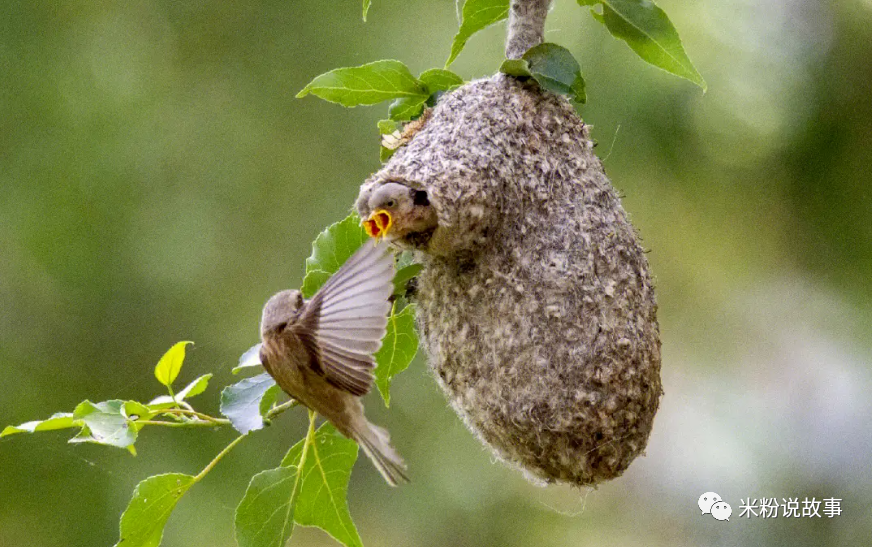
{"x":535,"y":304}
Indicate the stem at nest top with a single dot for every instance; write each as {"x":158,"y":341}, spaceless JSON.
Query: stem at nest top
{"x":526,"y":26}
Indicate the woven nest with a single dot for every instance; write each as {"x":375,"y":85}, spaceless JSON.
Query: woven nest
{"x":535,"y":304}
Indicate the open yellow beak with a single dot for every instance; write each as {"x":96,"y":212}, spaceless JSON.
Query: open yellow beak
{"x":378,"y":223}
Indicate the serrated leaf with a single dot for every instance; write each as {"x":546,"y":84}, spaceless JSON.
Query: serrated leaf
{"x":556,"y":69}
{"x":265,"y":516}
{"x":368,"y":84}
{"x":398,"y":348}
{"x":439,"y":79}
{"x":196,"y":387}
{"x":649,"y":32}
{"x":106,"y":424}
{"x":251,"y":358}
{"x":403,"y":110}
{"x":323,"y":488}
{"x":153,"y":500}
{"x":366,"y":4}
{"x":240,"y":402}
{"x":59,"y":420}
{"x":313,"y":281}
{"x":330,"y":250}
{"x":170,"y":364}
{"x":476,"y":15}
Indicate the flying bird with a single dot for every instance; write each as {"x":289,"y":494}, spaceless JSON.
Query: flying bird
{"x":320,"y":351}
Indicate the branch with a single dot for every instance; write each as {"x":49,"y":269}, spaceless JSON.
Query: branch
{"x":526,"y":26}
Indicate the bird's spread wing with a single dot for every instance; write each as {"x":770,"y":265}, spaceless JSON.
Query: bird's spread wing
{"x":343,"y":324}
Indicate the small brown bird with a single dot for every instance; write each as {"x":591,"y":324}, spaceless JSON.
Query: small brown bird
{"x":401,"y":214}
{"x":320,"y":351}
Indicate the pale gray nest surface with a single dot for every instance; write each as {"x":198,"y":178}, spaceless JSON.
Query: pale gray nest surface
{"x":535,"y":304}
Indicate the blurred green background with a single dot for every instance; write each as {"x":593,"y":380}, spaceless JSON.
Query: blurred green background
{"x":158,"y":181}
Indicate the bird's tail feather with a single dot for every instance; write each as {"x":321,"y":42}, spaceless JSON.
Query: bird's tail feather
{"x":375,"y":442}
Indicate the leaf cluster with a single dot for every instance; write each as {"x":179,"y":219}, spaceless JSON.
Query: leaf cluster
{"x":310,"y":485}
{"x":640,"y":23}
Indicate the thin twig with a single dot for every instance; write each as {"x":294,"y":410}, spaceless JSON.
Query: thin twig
{"x":217,"y":458}
{"x":197,"y":423}
{"x":194,"y":413}
{"x":275,"y":411}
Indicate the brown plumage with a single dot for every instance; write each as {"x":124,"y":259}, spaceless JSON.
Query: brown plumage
{"x":320,"y":351}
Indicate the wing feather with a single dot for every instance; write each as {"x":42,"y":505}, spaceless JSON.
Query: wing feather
{"x":344,"y":323}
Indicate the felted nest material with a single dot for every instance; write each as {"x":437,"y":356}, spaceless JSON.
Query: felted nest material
{"x":535,"y":304}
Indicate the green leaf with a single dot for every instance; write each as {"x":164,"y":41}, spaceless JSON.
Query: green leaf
{"x":153,"y":500}
{"x":268,"y":399}
{"x":384,"y":154}
{"x":409,"y":108}
{"x":251,"y":358}
{"x":310,"y":488}
{"x":368,"y":84}
{"x":324,"y":483}
{"x":398,"y":348}
{"x":59,"y":420}
{"x":162,"y":402}
{"x":170,"y":364}
{"x":649,"y":32}
{"x":553,"y":67}
{"x":366,"y":4}
{"x":386,"y":127}
{"x":438,"y":79}
{"x":593,"y":13}
{"x":516,"y":67}
{"x":133,"y":410}
{"x":406,"y":270}
{"x":196,"y":387}
{"x":265,"y":516}
{"x":404,"y":275}
{"x":330,"y":250}
{"x":240,"y":402}
{"x":106,"y":424}
{"x":477,"y":15}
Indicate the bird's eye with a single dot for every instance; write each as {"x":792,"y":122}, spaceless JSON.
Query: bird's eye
{"x":281,"y":326}
{"x":390,"y":203}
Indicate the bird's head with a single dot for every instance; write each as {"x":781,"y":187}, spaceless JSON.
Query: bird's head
{"x":282,"y":308}
{"x":396,"y":211}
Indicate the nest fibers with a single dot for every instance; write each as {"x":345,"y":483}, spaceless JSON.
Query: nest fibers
{"x":535,"y":303}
